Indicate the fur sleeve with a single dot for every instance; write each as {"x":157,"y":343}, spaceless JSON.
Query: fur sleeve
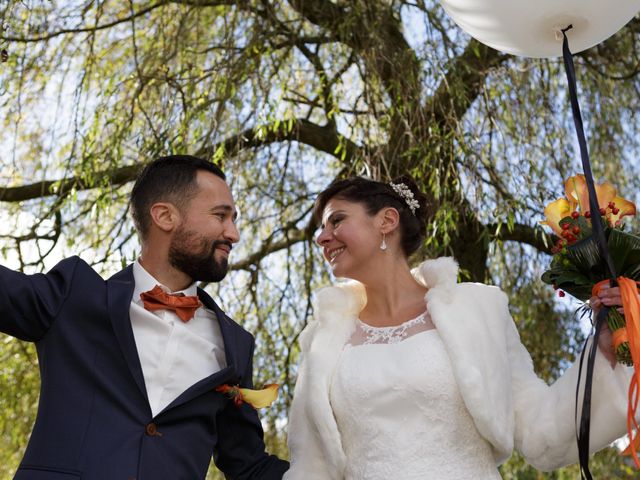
{"x":305,"y":448}
{"x":544,"y":415}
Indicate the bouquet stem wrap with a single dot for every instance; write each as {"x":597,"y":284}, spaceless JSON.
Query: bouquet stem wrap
{"x":626,"y":340}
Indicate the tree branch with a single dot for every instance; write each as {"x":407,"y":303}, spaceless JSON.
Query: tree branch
{"x":139,"y":13}
{"x":292,"y":237}
{"x":374,"y":32}
{"x":534,"y":236}
{"x":462,"y":84}
{"x":61,"y":187}
{"x":323,"y":138}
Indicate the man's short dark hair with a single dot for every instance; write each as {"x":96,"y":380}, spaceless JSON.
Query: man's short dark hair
{"x":167,"y":179}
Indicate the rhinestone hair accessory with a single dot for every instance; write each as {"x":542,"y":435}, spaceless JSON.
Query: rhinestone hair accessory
{"x":407,"y":195}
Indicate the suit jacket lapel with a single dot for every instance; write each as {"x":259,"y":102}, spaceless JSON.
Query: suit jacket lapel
{"x":227,"y":328}
{"x":119,"y":292}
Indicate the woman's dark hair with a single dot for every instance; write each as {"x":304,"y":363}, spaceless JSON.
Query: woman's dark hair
{"x":375,"y":196}
{"x":167,"y":179}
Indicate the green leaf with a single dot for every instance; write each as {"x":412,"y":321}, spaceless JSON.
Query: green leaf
{"x":625,"y":253}
{"x":585,"y":256}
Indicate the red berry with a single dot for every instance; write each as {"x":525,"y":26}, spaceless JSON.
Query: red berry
{"x":575,"y":215}
{"x":565,"y":226}
{"x":571,"y":238}
{"x":612,"y":204}
{"x":603,"y":211}
{"x":615,"y":210}
{"x":576,"y":230}
{"x":560,"y":293}
{"x":587,"y":214}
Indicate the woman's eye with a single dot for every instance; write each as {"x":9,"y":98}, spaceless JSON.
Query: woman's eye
{"x":336,"y":221}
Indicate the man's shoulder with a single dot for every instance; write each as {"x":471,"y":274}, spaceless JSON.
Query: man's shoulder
{"x":71,"y":263}
{"x":77,"y":267}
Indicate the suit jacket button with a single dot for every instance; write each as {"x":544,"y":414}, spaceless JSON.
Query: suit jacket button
{"x":152,"y":430}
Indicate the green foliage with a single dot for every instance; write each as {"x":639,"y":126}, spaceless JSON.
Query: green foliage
{"x":19,"y":385}
{"x":607,"y":464}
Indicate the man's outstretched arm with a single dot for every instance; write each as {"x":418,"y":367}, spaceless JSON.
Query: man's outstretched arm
{"x":30,"y":303}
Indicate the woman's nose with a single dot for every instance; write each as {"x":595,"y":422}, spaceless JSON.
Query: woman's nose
{"x":323,"y":237}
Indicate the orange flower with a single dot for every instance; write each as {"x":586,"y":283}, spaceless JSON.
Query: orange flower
{"x":622,"y":208}
{"x":256,"y":398}
{"x":575,"y":189}
{"x":577,"y":199}
{"x":556,"y":211}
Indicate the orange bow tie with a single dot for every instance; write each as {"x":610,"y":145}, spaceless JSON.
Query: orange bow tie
{"x":185,"y":306}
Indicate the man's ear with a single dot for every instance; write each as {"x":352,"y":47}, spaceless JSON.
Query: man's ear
{"x":390,"y":219}
{"x":164,"y":216}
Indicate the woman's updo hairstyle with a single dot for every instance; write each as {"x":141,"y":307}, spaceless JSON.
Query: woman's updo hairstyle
{"x":375,"y":196}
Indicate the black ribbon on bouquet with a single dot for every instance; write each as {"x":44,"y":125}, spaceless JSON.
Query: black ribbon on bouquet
{"x":583,"y":426}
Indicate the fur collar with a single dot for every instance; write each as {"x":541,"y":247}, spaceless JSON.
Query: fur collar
{"x":348,"y":298}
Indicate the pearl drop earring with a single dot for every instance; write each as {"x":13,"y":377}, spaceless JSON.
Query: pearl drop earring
{"x":383,"y":244}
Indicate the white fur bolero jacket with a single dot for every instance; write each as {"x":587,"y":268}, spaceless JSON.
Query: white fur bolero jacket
{"x":511,"y":407}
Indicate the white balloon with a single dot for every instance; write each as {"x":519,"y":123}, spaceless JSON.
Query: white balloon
{"x":531,"y":28}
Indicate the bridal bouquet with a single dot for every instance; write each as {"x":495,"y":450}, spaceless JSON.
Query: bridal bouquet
{"x":577,"y":266}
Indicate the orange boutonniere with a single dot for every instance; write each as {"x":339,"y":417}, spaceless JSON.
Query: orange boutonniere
{"x":256,"y":398}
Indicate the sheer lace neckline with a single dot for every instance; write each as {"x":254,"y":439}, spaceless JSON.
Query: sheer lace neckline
{"x":366,"y":334}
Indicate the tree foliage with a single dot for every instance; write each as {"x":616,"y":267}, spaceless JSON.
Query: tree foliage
{"x":287,"y":95}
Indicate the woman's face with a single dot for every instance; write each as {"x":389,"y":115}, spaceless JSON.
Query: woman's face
{"x":350,"y":238}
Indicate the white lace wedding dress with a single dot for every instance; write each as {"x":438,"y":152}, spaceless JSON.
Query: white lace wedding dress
{"x":399,"y":411}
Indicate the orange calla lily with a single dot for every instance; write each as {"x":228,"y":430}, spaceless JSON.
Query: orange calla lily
{"x":260,"y":398}
{"x":556,"y":211}
{"x":577,"y":198}
{"x":256,"y":398}
{"x":625,"y":207}
{"x":575,"y":189}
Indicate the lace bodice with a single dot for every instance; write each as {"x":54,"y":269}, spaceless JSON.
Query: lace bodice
{"x":366,"y":334}
{"x":399,"y":411}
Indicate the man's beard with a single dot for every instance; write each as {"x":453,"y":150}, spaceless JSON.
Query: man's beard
{"x":195,"y":256}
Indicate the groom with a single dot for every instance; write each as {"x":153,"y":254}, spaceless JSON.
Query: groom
{"x":129,"y":372}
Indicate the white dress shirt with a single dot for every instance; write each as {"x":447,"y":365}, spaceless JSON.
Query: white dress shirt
{"x":174,"y":355}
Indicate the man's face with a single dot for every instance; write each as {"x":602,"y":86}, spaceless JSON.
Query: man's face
{"x":202,"y":242}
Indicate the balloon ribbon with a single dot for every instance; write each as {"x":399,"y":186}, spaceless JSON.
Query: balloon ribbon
{"x":584,"y":426}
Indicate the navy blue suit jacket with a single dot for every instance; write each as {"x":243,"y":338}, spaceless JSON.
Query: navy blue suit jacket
{"x":94,"y":421}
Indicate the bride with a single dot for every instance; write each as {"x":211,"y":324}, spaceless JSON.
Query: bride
{"x":411,"y":375}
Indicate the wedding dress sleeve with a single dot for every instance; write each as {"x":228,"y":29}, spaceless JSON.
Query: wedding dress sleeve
{"x":544,"y":415}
